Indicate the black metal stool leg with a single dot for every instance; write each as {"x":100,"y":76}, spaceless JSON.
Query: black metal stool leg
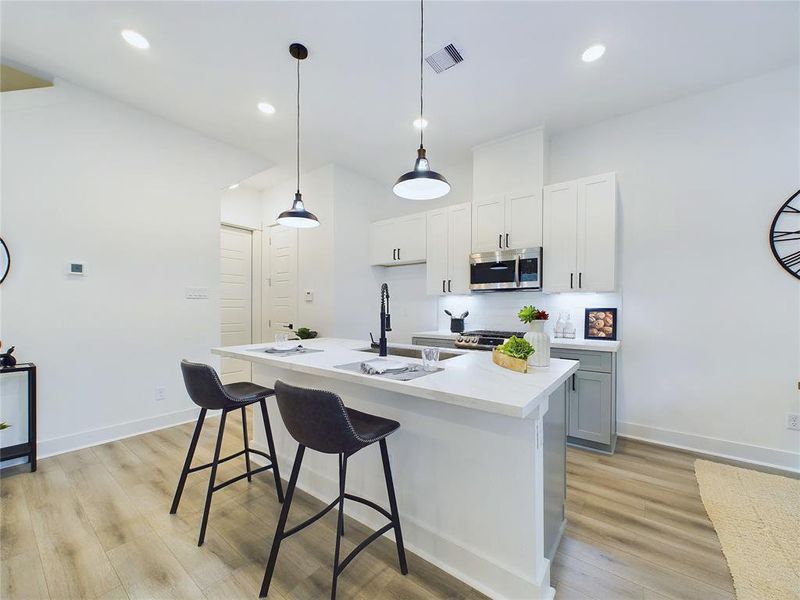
{"x":398,"y":535}
{"x":276,"y":541}
{"x":246,"y":443}
{"x":212,"y":477}
{"x":340,"y":525}
{"x":341,"y":456}
{"x":273,"y":455}
{"x":188,"y":463}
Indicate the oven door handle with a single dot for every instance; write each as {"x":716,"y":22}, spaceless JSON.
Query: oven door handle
{"x":516,"y":270}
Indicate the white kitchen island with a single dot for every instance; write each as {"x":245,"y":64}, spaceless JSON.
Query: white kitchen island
{"x":478,"y":461}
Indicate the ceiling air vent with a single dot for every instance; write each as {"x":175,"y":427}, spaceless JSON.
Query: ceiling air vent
{"x":445,"y":58}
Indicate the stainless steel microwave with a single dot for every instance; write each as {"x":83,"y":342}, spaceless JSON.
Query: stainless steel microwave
{"x":506,"y":270}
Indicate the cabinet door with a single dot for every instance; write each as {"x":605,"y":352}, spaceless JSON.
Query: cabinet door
{"x":459,"y":237}
{"x":381,"y":242}
{"x":523,"y":220}
{"x":590,"y":407}
{"x":559,"y":239}
{"x":409,"y":237}
{"x":597,"y":233}
{"x":437,"y":251}
{"x":488,"y":224}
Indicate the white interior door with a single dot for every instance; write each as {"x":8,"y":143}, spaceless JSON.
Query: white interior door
{"x":280,"y":297}
{"x":236,"y":293}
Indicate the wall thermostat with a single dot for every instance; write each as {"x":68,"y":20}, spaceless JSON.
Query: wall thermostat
{"x":76,"y":268}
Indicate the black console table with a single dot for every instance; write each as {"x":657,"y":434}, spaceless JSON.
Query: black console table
{"x":25,"y":449}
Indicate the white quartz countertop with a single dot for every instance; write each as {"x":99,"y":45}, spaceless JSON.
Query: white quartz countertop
{"x":470,"y":380}
{"x":576,"y":344}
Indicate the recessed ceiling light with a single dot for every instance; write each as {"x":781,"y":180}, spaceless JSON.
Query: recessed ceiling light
{"x":135,"y":39}
{"x":266,"y":108}
{"x":592,"y":53}
{"x":420,"y":123}
{"x":233,"y":187}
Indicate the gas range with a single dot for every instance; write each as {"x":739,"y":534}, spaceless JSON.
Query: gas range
{"x":484,"y":339}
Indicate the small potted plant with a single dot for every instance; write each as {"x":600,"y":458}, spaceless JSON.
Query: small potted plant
{"x":536,"y":336}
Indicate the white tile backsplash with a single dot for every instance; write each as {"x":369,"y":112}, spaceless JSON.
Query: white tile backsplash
{"x":498,"y":310}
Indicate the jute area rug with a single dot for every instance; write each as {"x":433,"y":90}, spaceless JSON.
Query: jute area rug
{"x":757,"y":518}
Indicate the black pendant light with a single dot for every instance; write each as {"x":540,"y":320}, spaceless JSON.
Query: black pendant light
{"x":298,"y":216}
{"x":421,"y":183}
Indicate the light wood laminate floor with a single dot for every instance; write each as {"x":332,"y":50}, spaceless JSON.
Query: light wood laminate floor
{"x":94,"y":524}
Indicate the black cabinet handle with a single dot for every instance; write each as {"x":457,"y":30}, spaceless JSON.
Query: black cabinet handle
{"x":500,"y":240}
{"x":398,"y":254}
{"x":580,"y":280}
{"x":443,"y":290}
{"x":506,"y":240}
{"x":394,"y":253}
{"x":570,"y":280}
{"x":573,"y":382}
{"x":449,"y":289}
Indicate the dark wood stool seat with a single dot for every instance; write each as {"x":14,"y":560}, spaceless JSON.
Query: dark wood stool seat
{"x":207,"y":391}
{"x":319,"y":420}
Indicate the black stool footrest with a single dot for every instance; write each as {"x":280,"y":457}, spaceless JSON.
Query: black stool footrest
{"x":369,"y":503}
{"x":374,"y":536}
{"x":240,"y":477}
{"x":311,"y":520}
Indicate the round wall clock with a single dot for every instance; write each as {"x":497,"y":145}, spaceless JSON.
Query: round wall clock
{"x":5,"y":260}
{"x":784,"y":235}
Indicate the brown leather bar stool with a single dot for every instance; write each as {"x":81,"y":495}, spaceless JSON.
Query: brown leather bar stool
{"x":319,"y":420}
{"x":207,"y":391}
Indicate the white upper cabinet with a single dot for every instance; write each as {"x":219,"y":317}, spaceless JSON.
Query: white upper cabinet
{"x":524,"y":219}
{"x":448,"y":249}
{"x":398,"y":241}
{"x":507,"y":221}
{"x":488,"y":223}
{"x":597,"y":233}
{"x":579,"y":235}
{"x":508,"y":175}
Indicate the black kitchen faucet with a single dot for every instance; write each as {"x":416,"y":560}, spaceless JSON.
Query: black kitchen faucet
{"x":386,"y":323}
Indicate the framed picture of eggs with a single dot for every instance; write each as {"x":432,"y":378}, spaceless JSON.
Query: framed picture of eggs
{"x":600,"y":324}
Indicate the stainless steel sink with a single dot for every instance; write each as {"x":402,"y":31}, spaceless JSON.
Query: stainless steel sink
{"x":410,"y":352}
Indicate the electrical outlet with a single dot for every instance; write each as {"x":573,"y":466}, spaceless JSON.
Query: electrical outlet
{"x":793,"y":421}
{"x":161,"y":393}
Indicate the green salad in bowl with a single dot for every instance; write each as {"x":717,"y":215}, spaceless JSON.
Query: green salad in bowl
{"x":516,"y":347}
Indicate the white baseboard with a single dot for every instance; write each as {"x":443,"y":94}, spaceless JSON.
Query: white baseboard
{"x":757,"y":455}
{"x":449,"y":552}
{"x":94,"y":437}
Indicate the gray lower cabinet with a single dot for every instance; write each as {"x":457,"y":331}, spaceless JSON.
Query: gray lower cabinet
{"x":555,"y":469}
{"x":592,"y":399}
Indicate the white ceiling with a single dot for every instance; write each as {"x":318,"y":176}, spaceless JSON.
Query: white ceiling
{"x":210,"y":63}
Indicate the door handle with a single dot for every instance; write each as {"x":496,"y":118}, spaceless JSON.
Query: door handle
{"x":443,"y":290}
{"x":570,"y":280}
{"x":580,"y":280}
{"x":500,"y":240}
{"x":516,"y":270}
{"x":506,"y":240}
{"x":449,"y":289}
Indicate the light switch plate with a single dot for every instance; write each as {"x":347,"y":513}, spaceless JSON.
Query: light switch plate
{"x":75,"y":267}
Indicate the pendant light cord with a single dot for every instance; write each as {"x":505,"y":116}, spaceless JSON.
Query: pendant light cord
{"x":421,"y":54}
{"x":298,"y":125}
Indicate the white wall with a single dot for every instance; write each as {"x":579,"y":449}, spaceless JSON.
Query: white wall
{"x":136,"y":197}
{"x":711,"y":323}
{"x":241,"y":207}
